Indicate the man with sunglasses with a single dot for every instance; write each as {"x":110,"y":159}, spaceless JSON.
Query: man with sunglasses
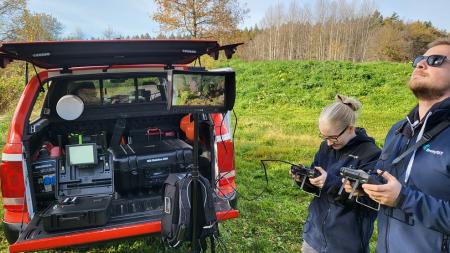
{"x":415,"y":201}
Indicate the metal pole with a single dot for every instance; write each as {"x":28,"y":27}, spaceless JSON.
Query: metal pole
{"x":195,"y":178}
{"x":26,"y":74}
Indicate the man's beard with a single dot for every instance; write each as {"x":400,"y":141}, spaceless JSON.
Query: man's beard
{"x":425,"y":91}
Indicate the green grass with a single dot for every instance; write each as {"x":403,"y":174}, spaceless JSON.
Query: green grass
{"x":277,"y":105}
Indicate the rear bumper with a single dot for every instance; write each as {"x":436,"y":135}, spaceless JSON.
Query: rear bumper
{"x":100,"y":235}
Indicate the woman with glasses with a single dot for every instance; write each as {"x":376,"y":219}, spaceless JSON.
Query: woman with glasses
{"x":336,"y":224}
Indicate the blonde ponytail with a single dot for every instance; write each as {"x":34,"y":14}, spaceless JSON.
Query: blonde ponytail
{"x":344,"y":111}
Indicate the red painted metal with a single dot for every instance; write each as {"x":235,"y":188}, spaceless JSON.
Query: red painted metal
{"x":18,"y":214}
{"x":99,"y":235}
{"x":11,"y":171}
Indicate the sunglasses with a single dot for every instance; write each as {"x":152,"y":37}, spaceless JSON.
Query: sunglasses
{"x":431,"y":60}
{"x":332,"y":138}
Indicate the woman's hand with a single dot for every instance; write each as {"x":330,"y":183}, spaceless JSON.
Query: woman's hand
{"x":295,"y":177}
{"x":320,"y":180}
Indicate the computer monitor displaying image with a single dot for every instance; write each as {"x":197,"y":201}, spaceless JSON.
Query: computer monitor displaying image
{"x":201,"y":91}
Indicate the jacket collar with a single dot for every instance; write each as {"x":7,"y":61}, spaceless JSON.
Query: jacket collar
{"x":439,"y":111}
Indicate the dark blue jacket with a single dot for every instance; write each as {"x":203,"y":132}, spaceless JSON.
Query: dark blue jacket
{"x":421,"y":220}
{"x":335,"y":224}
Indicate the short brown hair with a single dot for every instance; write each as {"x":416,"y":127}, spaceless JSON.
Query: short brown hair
{"x":438,"y":42}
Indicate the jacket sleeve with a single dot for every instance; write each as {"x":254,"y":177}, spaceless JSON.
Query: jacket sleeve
{"x":308,"y":187}
{"x":432,"y":212}
{"x":331,"y":180}
{"x":367,"y":163}
{"x":332,"y":184}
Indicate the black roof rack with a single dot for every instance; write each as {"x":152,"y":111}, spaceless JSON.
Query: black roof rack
{"x":68,"y":54}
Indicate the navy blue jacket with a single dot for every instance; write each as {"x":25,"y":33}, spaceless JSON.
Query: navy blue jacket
{"x":334,"y":224}
{"x":421,"y":220}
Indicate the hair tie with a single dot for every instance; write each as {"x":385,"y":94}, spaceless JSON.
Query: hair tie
{"x":352,"y":106}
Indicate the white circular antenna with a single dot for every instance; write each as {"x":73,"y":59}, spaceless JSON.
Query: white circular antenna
{"x":70,"y":107}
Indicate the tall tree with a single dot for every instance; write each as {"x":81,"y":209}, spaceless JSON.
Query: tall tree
{"x":419,"y":35}
{"x":37,"y":26}
{"x":77,"y":34}
{"x":110,"y":34}
{"x":332,"y":30}
{"x":10,"y":10}
{"x":216,"y":19}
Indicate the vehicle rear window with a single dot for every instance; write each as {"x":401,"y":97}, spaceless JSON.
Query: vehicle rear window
{"x":149,"y":89}
{"x":119,"y":91}
{"x":126,"y":90}
{"x":87,"y":90}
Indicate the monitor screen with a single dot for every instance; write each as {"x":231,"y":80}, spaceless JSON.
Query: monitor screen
{"x":197,"y":90}
{"x":202,"y":91}
{"x":82,"y":154}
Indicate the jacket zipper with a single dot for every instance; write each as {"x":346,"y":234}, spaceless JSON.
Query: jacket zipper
{"x":387,"y":235}
{"x":363,"y":235}
{"x":444,"y":247}
{"x":387,"y":217}
{"x":323,"y":225}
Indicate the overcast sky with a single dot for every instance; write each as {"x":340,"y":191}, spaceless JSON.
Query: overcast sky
{"x":132,"y":17}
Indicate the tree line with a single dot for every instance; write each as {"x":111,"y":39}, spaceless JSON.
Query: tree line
{"x":332,"y":30}
{"x":328,"y":30}
{"x":337,"y":30}
{"x":17,"y":23}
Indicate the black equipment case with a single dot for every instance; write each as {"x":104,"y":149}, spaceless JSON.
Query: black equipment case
{"x":44,"y":178}
{"x":84,"y":195}
{"x":77,"y":212}
{"x":139,"y":167}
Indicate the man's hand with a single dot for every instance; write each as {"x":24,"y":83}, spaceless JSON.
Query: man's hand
{"x":385,"y":194}
{"x":348,"y":188}
{"x":320,"y":180}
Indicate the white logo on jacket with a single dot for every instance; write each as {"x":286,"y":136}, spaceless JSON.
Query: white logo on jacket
{"x":434,"y":152}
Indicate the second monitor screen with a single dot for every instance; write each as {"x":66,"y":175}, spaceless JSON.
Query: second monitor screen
{"x":198,"y":90}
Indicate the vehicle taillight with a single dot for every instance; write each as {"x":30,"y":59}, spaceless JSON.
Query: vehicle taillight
{"x":12,"y":185}
{"x":225,"y":163}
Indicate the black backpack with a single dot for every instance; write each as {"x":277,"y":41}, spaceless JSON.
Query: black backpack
{"x":176,"y":225}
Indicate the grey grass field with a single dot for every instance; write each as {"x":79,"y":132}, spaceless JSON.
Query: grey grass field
{"x":277,"y":107}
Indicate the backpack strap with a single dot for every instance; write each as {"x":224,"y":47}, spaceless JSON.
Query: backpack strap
{"x":388,"y":150}
{"x":425,"y":138}
{"x":213,"y":244}
{"x":119,"y":128}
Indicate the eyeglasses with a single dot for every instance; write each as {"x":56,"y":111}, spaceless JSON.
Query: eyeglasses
{"x":332,"y":138}
{"x":431,"y":60}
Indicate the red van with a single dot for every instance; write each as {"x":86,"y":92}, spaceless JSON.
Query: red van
{"x":92,"y":140}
